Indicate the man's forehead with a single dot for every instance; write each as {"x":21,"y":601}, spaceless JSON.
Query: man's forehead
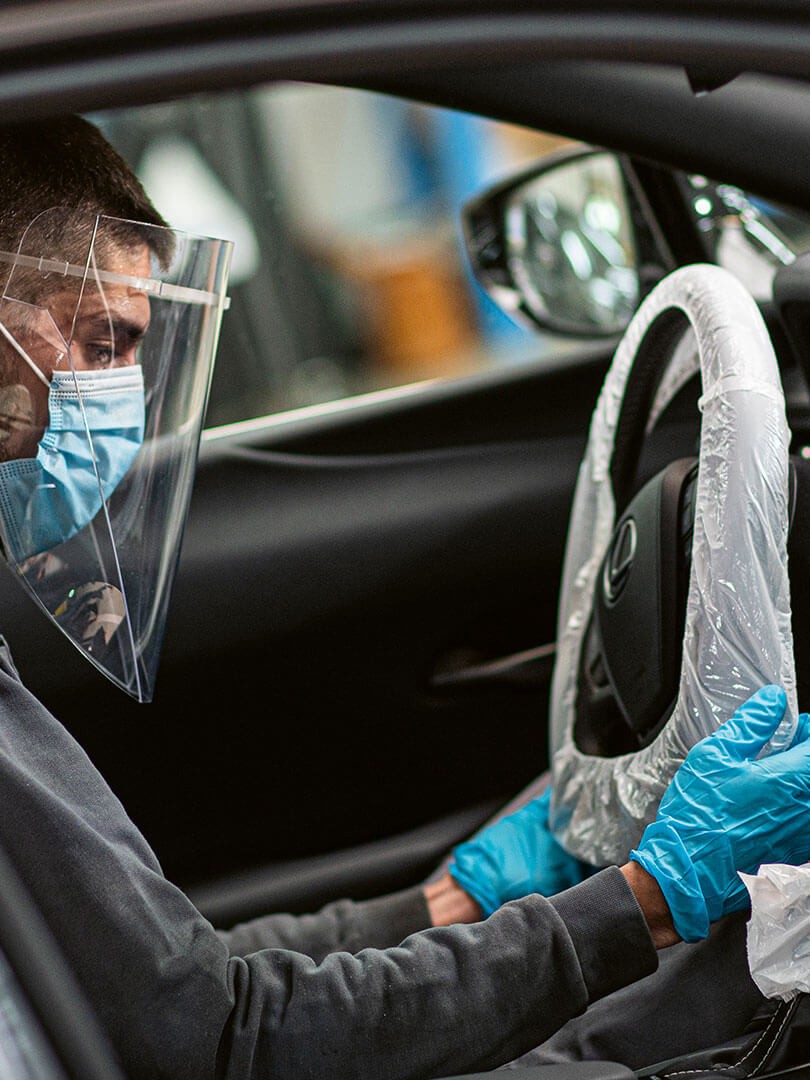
{"x":116,"y":301}
{"x":126,"y":300}
{"x":134,"y":260}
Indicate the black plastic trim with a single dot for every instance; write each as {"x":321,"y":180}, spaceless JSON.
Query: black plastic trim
{"x":52,"y":64}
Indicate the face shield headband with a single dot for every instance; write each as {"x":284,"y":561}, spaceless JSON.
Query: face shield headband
{"x":108,"y":331}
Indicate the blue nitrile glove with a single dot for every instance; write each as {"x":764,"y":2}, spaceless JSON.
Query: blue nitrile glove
{"x":514,"y":857}
{"x":726,"y":811}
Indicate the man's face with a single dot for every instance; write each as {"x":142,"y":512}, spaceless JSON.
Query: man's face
{"x":95,"y":329}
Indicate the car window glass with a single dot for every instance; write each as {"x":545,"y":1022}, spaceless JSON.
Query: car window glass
{"x":349,"y":274}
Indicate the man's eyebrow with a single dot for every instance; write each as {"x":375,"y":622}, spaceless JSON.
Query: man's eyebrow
{"x":133,"y":329}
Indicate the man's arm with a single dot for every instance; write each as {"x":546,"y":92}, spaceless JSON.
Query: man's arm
{"x":446,"y":1001}
{"x":448,"y":903}
{"x":174,"y":1002}
{"x":342,"y":926}
{"x":654,"y":907}
{"x":382,"y":923}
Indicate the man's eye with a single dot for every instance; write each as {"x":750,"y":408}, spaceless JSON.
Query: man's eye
{"x":101,"y":354}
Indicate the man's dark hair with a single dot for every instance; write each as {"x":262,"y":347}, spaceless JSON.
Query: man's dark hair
{"x":66,"y":164}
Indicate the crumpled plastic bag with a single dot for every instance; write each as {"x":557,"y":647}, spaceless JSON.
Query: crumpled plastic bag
{"x":779,"y":929}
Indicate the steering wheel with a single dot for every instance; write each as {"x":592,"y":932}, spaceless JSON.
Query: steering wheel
{"x":675,"y":602}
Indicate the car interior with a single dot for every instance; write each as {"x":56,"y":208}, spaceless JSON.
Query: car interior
{"x":357,"y":669}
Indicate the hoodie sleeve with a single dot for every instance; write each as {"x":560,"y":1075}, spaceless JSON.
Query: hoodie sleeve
{"x":342,"y":926}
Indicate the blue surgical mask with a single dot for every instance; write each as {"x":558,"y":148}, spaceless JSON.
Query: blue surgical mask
{"x":47,"y":499}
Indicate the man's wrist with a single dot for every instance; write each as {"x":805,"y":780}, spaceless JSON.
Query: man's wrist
{"x":448,"y":903}
{"x":652,"y":903}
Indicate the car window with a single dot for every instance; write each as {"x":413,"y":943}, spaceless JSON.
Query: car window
{"x":348,"y":272}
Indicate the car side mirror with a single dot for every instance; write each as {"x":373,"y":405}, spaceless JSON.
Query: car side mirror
{"x":575,"y":243}
{"x":558,"y":245}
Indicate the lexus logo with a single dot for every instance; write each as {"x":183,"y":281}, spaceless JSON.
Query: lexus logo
{"x":619,"y":560}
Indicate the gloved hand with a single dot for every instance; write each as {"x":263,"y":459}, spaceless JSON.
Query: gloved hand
{"x":514,"y":857}
{"x":726,"y":811}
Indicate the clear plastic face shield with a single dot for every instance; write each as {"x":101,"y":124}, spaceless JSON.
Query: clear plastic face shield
{"x":108,"y":331}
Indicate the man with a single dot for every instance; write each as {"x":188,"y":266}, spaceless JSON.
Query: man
{"x":90,"y":517}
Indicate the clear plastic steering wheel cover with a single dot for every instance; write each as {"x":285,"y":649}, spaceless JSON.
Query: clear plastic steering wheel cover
{"x":738,"y":631}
